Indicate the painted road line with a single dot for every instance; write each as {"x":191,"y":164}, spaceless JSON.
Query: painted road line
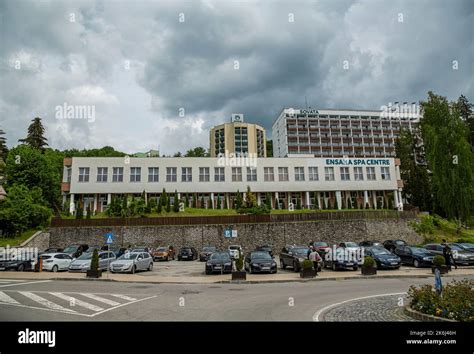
{"x":325,"y":308}
{"x":124,"y":297}
{"x":7,"y":299}
{"x":44,"y":302}
{"x":77,"y":302}
{"x":26,"y":283}
{"x":10,"y":280}
{"x":124,"y":304}
{"x":101,"y":299}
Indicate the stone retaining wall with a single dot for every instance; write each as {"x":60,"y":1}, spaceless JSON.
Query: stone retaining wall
{"x":248,"y":235}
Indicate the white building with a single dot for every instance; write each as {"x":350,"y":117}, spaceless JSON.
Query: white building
{"x":341,"y":132}
{"x":313,"y":181}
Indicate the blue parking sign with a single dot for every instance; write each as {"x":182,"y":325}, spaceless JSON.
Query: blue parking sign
{"x":110,"y":238}
{"x":227,"y":233}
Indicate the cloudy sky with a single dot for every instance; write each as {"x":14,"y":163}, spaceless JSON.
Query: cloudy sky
{"x":160,"y":73}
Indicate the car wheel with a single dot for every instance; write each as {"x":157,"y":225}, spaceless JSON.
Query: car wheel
{"x":21,"y":268}
{"x":208,"y":272}
{"x":282,"y":264}
{"x":55,"y":268}
{"x":416,"y":263}
{"x":355,"y":267}
{"x":250,"y":270}
{"x":150,"y":267}
{"x":134,"y":269}
{"x":334,"y":266}
{"x":295,"y":266}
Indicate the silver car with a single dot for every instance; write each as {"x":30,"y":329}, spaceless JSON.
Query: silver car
{"x":130,"y":262}
{"x":83,"y":263}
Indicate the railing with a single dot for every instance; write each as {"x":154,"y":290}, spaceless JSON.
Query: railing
{"x":236,"y":219}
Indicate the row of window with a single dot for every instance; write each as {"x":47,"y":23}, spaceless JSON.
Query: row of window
{"x":219,"y":174}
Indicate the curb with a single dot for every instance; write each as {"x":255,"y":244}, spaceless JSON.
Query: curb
{"x":424,"y":317}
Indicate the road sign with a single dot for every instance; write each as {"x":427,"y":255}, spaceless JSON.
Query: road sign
{"x":234,"y":233}
{"x":227,"y":233}
{"x":110,"y":238}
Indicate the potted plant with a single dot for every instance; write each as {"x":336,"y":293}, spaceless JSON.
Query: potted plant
{"x":307,"y":270}
{"x":239,"y":273}
{"x":94,"y":271}
{"x":369,"y":267}
{"x":439,"y":263}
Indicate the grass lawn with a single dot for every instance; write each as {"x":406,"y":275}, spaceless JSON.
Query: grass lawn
{"x":16,"y":241}
{"x":447,"y":230}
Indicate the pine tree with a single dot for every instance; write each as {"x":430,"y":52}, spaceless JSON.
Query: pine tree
{"x":202,"y":202}
{"x":238,"y":200}
{"x":159,"y":206}
{"x":176,"y":202}
{"x":195,"y":201}
{"x":367,"y":206}
{"x":164,"y":198}
{"x":226,"y":206}
{"x":186,"y":201}
{"x":298,"y":203}
{"x":89,"y":212}
{"x":3,"y":146}
{"x":168,"y":205}
{"x":268,"y":200}
{"x":35,"y":137}
{"x":79,"y":213}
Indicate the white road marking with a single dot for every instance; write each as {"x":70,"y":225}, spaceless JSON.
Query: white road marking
{"x":124,"y":304}
{"x":101,"y":299}
{"x":124,"y":297}
{"x":320,"y":311}
{"x":5,"y":298}
{"x":11,"y":280}
{"x":26,"y":283}
{"x":78,"y":302}
{"x":44,"y":302}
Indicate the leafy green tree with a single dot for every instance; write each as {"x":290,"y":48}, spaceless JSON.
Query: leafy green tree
{"x":268,"y":200}
{"x":35,"y":137}
{"x":106,"y":151}
{"x":159,"y":206}
{"x":197,"y":152}
{"x":140,"y":207}
{"x":176,"y":202}
{"x":298,"y":203}
{"x":164,"y":198}
{"x":186,"y":201}
{"x":125,"y":210}
{"x":465,"y":110}
{"x":226,"y":206}
{"x":88,"y":212}
{"x":219,"y":202}
{"x":95,"y":260}
{"x":168,"y":205}
{"x":449,"y":157}
{"x":195,"y":198}
{"x":238,"y":200}
{"x":3,"y":146}
{"x":202,"y":202}
{"x":79,"y":212}
{"x":250,"y":199}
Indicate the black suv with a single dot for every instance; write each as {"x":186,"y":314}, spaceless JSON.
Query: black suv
{"x":187,"y":254}
{"x":265,"y":248}
{"x":293,"y":256}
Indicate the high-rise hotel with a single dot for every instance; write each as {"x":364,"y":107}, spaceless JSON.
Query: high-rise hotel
{"x":341,"y":132}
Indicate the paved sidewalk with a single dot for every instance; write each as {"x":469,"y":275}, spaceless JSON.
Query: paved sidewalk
{"x":145,"y":277}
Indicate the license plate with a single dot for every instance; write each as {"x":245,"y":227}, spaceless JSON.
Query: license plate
{"x":265,"y":268}
{"x":2,"y":268}
{"x":184,"y":256}
{"x":218,"y":267}
{"x":394,"y":263}
{"x":349,"y":264}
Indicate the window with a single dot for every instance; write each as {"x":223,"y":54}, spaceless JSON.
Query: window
{"x":329,"y":173}
{"x":283,"y":174}
{"x":153,"y":174}
{"x":299,"y":173}
{"x":186,"y":174}
{"x":117,"y":174}
{"x":358,"y":174}
{"x":345,"y":176}
{"x":204,"y":174}
{"x":102,"y":174}
{"x":370,"y":173}
{"x":268,"y":174}
{"x":171,"y":174}
{"x":385,"y":172}
{"x":68,"y":174}
{"x":83,"y":174}
{"x":135,"y":174}
{"x":219,"y":175}
{"x":236,"y":174}
{"x":251,"y":174}
{"x":313,"y":174}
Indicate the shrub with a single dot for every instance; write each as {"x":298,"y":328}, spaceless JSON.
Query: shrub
{"x":95,"y":260}
{"x":367,"y":206}
{"x":239,"y":262}
{"x":424,"y":227}
{"x":439,"y":260}
{"x":307,"y":264}
{"x":454,"y":303}
{"x":80,"y":213}
{"x":298,"y":204}
{"x":369,"y":262}
{"x":88,"y":212}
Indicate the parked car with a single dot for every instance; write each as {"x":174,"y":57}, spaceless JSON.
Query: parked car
{"x":163,"y":254}
{"x":83,"y":263}
{"x":416,"y":256}
{"x":342,"y":258}
{"x":16,"y":263}
{"x":265,"y":248}
{"x":293,"y":256}
{"x":462,"y":256}
{"x":141,"y":249}
{"x":259,"y":262}
{"x":206,"y":252}
{"x":55,"y":262}
{"x":383,"y":257}
{"x":465,"y":246}
{"x":187,"y":254}
{"x":75,"y":250}
{"x":118,"y":251}
{"x":391,"y":245}
{"x":322,"y":248}
{"x":234,"y":251}
{"x":349,"y":245}
{"x":130,"y":262}
{"x":368,"y":243}
{"x":219,"y":262}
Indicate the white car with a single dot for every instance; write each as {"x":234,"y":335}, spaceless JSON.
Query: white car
{"x":130,"y":262}
{"x":234,"y":251}
{"x":54,"y":262}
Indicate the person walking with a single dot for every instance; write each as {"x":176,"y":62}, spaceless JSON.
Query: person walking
{"x":315,"y":258}
{"x":447,"y":254}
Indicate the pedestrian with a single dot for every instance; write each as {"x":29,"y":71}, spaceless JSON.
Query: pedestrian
{"x":315,"y":258}
{"x":447,"y":254}
{"x":310,"y":249}
{"x":452,"y":259}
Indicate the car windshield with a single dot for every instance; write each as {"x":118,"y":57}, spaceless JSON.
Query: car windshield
{"x":380,"y":251}
{"x":260,"y":255}
{"x":321,"y":244}
{"x":220,"y":256}
{"x":45,"y":257}
{"x":400,"y":242}
{"x":209,"y":249}
{"x":351,"y":244}
{"x":85,"y":256}
{"x":420,"y":251}
{"x":128,"y":255}
{"x":467,"y":245}
{"x":70,"y":249}
{"x":300,"y":251}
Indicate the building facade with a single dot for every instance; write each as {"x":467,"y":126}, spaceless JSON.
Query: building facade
{"x":238,"y":137}
{"x":313,"y":182}
{"x":341,"y":133}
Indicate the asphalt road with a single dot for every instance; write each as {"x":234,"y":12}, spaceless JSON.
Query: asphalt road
{"x":23,"y":300}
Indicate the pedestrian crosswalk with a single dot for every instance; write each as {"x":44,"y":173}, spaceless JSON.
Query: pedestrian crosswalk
{"x":73,"y":303}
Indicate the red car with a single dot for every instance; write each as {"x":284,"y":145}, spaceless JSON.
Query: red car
{"x":321,"y":247}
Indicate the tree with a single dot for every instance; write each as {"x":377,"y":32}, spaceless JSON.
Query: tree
{"x":195,"y":201}
{"x":176,"y":202}
{"x":298,"y":203}
{"x":202,"y":202}
{"x":186,"y":201}
{"x":277,"y":204}
{"x":88,"y":212}
{"x":3,"y":146}
{"x":268,"y":200}
{"x":159,"y":206}
{"x":168,"y":205}
{"x":250,"y":199}
{"x":449,"y":157}
{"x":35,"y":137}
{"x":177,"y":154}
{"x":238,"y":200}
{"x":197,"y":152}
{"x":465,"y":110}
{"x":226,"y":206}
{"x":164,"y":198}
{"x":79,"y":212}
{"x":95,"y":260}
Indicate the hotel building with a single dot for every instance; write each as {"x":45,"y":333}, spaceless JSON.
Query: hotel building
{"x":340,"y":132}
{"x":93,"y":182}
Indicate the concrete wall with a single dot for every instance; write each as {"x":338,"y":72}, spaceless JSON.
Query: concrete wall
{"x":248,"y":235}
{"x":39,"y":240}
